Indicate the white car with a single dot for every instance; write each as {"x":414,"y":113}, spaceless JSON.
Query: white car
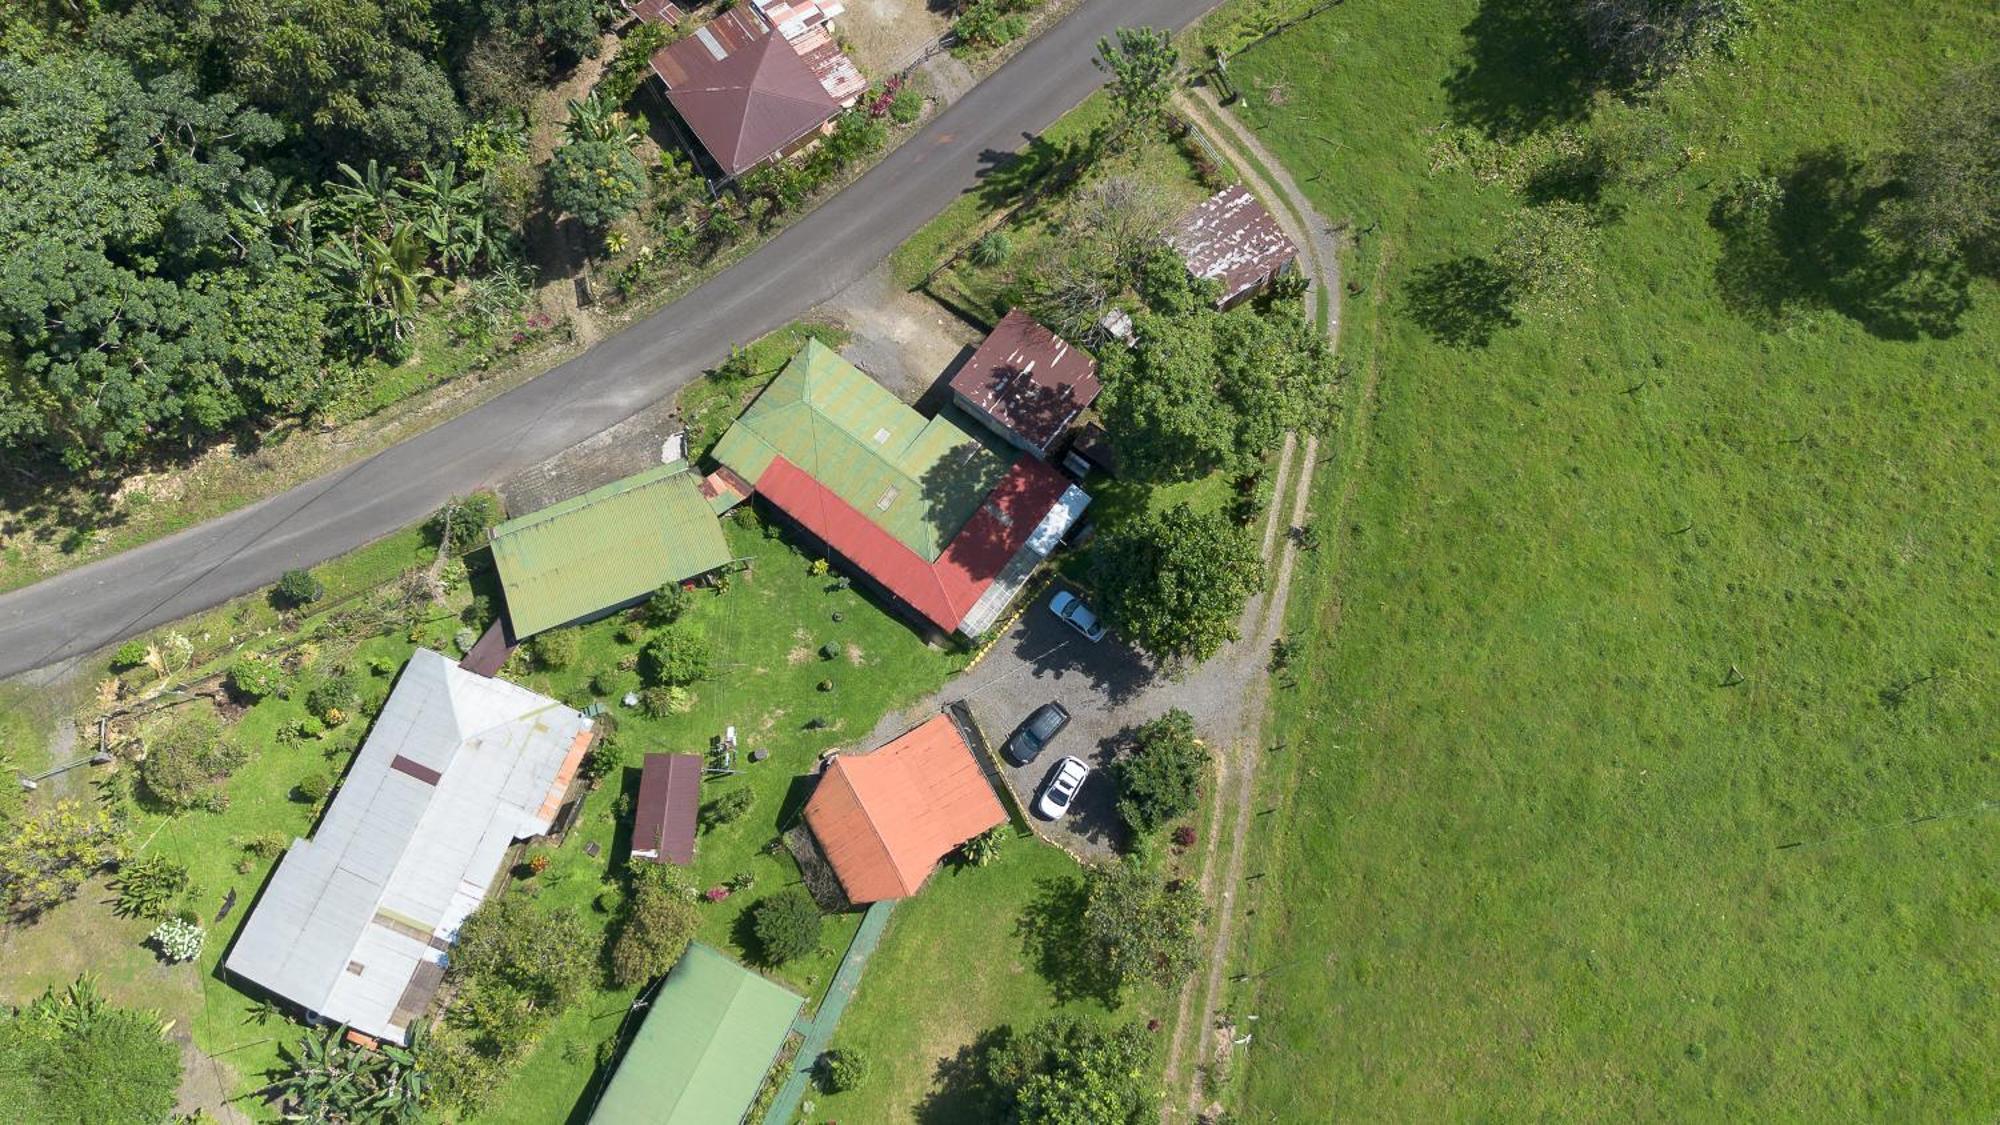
{"x":1062,"y":787}
{"x":1071,"y":609}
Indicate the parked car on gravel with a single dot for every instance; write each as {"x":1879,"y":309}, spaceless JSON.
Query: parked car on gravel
{"x":1071,"y":609}
{"x":1034,"y":736}
{"x":1061,"y":789}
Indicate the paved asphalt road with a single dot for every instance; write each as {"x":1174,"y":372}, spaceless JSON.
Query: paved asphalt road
{"x":78,"y":612}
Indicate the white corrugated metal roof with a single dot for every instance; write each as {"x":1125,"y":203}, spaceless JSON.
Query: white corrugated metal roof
{"x":395,"y":848}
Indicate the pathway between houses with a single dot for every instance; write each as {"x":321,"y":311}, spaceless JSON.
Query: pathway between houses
{"x":817,"y":1031}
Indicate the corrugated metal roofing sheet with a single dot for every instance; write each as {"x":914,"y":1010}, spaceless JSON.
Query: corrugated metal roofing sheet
{"x":743,"y":90}
{"x":606,"y":547}
{"x":918,"y":479}
{"x":702,"y":1053}
{"x":1027,"y":379}
{"x":885,"y":819}
{"x":664,"y":816}
{"x":1230,"y":238}
{"x":395,"y":854}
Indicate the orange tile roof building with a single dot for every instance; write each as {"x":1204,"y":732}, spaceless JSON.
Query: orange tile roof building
{"x":885,"y":819}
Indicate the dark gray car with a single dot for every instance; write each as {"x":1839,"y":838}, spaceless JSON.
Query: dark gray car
{"x":1035,"y":735}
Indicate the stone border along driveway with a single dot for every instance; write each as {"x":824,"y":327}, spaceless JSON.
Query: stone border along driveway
{"x":1236,"y":787}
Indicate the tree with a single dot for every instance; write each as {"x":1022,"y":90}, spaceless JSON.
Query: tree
{"x":183,"y":762}
{"x":677,"y":657}
{"x":70,"y":1056}
{"x":253,"y":677}
{"x":557,"y":649}
{"x":297,"y":588}
{"x":598,"y":182}
{"x":1204,"y":391}
{"x":1160,"y":781}
{"x":1175,"y":582}
{"x":461,"y":525}
{"x":1637,"y":43}
{"x":567,"y":30}
{"x":545,"y":957}
{"x":1069,"y":1071}
{"x":660,"y":919}
{"x":1139,"y":926}
{"x":1950,"y":171}
{"x":842,"y":1069}
{"x":787,"y":926}
{"x":325,"y":1078}
{"x":667,"y":603}
{"x":1144,"y":66}
{"x":1546,"y":257}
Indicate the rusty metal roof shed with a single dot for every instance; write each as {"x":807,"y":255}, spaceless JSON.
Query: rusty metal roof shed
{"x":663,"y":818}
{"x":1026,"y":380}
{"x":1231,"y":239}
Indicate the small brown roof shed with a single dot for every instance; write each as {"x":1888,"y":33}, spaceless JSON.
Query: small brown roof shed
{"x":744,"y":91}
{"x":1230,"y":238}
{"x":663,"y":819}
{"x":1028,"y":380}
{"x":884,"y":819}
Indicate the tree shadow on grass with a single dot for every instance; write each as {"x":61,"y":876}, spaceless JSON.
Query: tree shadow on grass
{"x":1807,"y":238}
{"x":1051,"y":931}
{"x":1462,"y":302}
{"x":962,"y":1092}
{"x":1527,"y":67}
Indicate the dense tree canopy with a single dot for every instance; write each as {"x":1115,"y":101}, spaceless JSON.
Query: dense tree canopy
{"x":1068,"y":1071}
{"x":1173,"y":583}
{"x":1160,"y":781}
{"x":1139,"y":926}
{"x":70,"y":1056}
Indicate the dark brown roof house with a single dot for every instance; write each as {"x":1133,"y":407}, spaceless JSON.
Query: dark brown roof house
{"x":664,"y":817}
{"x":1231,"y":239}
{"x":744,"y":92}
{"x":1026,"y":383}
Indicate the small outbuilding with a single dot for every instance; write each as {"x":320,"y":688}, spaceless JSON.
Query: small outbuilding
{"x":1229,"y":238}
{"x":884,"y":820}
{"x":605,"y":549}
{"x":1026,"y":383}
{"x":709,"y":1037}
{"x":664,"y":817}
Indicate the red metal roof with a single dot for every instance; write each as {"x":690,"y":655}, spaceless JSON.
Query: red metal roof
{"x":884,"y":819}
{"x":743,"y":90}
{"x":942,"y":592}
{"x":1028,"y":379}
{"x":1230,"y":238}
{"x":663,"y":818}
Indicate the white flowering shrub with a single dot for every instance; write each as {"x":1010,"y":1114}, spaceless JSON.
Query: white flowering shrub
{"x":178,"y":940}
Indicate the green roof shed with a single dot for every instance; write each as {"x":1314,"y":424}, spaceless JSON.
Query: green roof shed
{"x":606,"y":548}
{"x":702,"y":1053}
{"x":919,"y":479}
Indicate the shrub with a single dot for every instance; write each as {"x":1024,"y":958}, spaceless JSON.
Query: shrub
{"x":602,"y":759}
{"x":985,"y":23}
{"x":615,"y":683}
{"x":177,"y":940}
{"x":678,"y":656}
{"x":131,"y":654}
{"x":729,"y":808}
{"x":906,"y":106}
{"x":1160,"y":782}
{"x":253,"y":677}
{"x":183,"y":761}
{"x":597,"y":181}
{"x":147,"y":886}
{"x":558,"y":648}
{"x":660,"y":702}
{"x":264,"y":845}
{"x":315,"y":786}
{"x":993,"y":249}
{"x":659,"y":921}
{"x":336,"y":695}
{"x":1184,"y":836}
{"x":297,"y":588}
{"x":461,"y":524}
{"x":983,"y":848}
{"x":841,"y":1070}
{"x":667,"y":604}
{"x":787,"y":926}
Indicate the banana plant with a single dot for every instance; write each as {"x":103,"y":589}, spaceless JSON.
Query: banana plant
{"x":594,"y":119}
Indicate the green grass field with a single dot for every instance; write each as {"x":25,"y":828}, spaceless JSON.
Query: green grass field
{"x":1639,"y":638}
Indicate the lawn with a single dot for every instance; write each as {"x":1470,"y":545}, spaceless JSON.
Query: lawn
{"x":1641,"y":639}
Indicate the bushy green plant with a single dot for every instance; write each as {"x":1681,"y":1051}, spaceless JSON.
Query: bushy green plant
{"x":329,"y":1079}
{"x":253,"y":677}
{"x":604,"y":757}
{"x":296,"y":588}
{"x":906,"y":106}
{"x":842,"y":1069}
{"x":678,"y":656}
{"x":614,"y":683}
{"x":730,"y":807}
{"x":787,"y":926}
{"x":184,"y":761}
{"x":557,"y":649}
{"x":992,"y":249}
{"x":337,"y":693}
{"x":177,"y":940}
{"x":985,"y":847}
{"x":70,"y":1056}
{"x":668,"y":603}
{"x":461,"y":524}
{"x":660,"y":702}
{"x":1160,"y":781}
{"x":655,"y":931}
{"x":544,"y":956}
{"x":148,"y":886}
{"x":315,"y":786}
{"x":131,"y":654}
{"x":596,"y":181}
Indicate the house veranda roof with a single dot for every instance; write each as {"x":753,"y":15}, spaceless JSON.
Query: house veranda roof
{"x":355,"y":922}
{"x":886,"y":818}
{"x":701,"y":1055}
{"x":606,"y":547}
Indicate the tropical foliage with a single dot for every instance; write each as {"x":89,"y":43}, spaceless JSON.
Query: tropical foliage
{"x":70,"y":1056}
{"x":47,"y":855}
{"x":1069,"y":1071}
{"x":787,"y":925}
{"x":1140,"y":926}
{"x":328,"y":1079}
{"x":1160,"y":781}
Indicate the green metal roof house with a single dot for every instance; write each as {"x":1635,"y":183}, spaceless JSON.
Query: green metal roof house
{"x":609,"y":547}
{"x":702,"y":1052}
{"x":919,"y":479}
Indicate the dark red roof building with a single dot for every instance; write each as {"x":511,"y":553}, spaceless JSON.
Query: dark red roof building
{"x":1229,"y":238}
{"x":663,"y":818}
{"x":743,"y":91}
{"x":1026,"y":383}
